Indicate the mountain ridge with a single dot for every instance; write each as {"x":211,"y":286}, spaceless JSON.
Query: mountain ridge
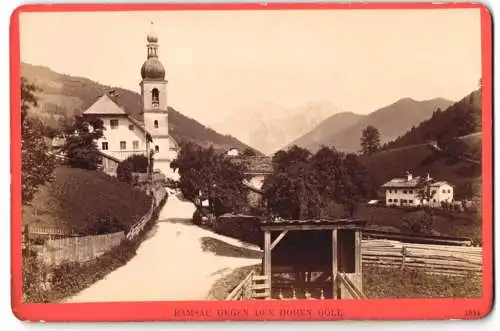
{"x":391,"y":121}
{"x":63,"y":96}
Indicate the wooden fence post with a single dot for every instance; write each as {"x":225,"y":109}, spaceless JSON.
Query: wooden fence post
{"x":403,"y":253}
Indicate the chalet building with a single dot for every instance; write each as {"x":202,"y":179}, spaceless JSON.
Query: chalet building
{"x":125,"y":135}
{"x":407,"y":191}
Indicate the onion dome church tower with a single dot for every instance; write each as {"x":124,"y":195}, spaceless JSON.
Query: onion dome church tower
{"x":155,"y":108}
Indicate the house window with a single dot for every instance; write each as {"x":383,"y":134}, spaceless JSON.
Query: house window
{"x":156,"y":124}
{"x":433,"y":192}
{"x":410,"y":191}
{"x":155,"y":96}
{"x":390,"y":200}
{"x":113,"y":124}
{"x":434,"y":200}
{"x":131,"y":127}
{"x":135,"y":144}
{"x":123,"y":145}
{"x":410,"y":201}
{"x":157,"y":148}
{"x":444,"y":191}
{"x":404,"y":191}
{"x":104,"y":146}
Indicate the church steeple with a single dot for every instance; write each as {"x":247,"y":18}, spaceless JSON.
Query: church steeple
{"x":152,"y":69}
{"x":152,"y":39}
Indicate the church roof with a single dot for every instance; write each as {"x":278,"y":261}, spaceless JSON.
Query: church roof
{"x":105,"y":106}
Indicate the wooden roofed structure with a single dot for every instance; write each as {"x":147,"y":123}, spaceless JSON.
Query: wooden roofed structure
{"x":335,"y":257}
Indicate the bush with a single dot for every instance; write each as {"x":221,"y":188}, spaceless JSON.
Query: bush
{"x":421,"y":225}
{"x":242,"y":227}
{"x":134,"y":163}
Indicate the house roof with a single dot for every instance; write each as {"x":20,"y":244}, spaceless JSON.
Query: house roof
{"x":254,"y":164}
{"x":412,"y":183}
{"x":105,"y":106}
{"x":440,"y":183}
{"x":402,"y":182}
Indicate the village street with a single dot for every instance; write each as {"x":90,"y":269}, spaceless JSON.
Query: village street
{"x":170,"y":265}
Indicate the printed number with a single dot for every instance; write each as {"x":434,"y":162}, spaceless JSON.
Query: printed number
{"x":472,"y":313}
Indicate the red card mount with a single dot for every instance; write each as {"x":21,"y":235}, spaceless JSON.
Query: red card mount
{"x":300,"y":266}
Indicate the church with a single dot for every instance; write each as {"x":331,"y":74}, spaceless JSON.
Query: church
{"x":124,"y":135}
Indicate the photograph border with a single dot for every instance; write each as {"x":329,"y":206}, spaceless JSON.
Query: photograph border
{"x":266,"y":310}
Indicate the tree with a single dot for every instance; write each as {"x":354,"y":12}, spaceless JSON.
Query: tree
{"x":80,"y":147}
{"x":249,"y":152}
{"x":207,"y":175}
{"x":37,"y":165}
{"x":304,"y":185}
{"x":370,"y":140}
{"x":134,"y":163}
{"x":354,"y":185}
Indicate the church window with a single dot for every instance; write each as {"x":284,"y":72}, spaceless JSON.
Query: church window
{"x":155,"y":96}
{"x":113,"y":124}
{"x":123,"y":145}
{"x":157,"y":148}
{"x":104,"y":145}
{"x":156,"y":124}
{"x":135,"y":144}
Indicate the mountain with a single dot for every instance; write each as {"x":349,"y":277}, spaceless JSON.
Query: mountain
{"x":63,"y":96}
{"x":448,"y":146}
{"x":391,"y":121}
{"x":268,"y":126}
{"x":332,"y":125}
{"x":460,"y":119}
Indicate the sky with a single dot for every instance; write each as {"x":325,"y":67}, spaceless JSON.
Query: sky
{"x":221,"y":62}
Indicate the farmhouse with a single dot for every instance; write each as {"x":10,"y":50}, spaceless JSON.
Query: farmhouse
{"x":408,"y":191}
{"x":255,"y":169}
{"x":124,"y":135}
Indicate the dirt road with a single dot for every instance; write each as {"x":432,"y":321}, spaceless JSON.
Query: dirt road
{"x":170,"y":265}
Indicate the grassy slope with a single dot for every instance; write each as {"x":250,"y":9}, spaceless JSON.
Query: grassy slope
{"x":420,"y":160}
{"x":77,"y":199}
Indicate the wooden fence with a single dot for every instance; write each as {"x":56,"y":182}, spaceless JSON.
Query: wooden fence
{"x":35,"y":231}
{"x":139,"y":226}
{"x":78,"y":249}
{"x":438,"y":259}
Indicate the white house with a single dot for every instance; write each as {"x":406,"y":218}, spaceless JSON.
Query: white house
{"x":124,"y":135}
{"x":407,"y":191}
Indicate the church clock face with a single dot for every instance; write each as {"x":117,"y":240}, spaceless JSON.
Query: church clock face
{"x":156,"y":106}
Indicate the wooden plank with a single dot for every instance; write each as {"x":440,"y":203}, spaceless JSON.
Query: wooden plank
{"x":267,"y":255}
{"x":307,"y":227}
{"x":260,"y":277}
{"x":261,"y":286}
{"x":334,"y":264}
{"x":265,"y":294}
{"x":357,"y":253}
{"x":278,"y":239}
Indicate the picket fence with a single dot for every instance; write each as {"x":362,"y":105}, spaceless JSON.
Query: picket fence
{"x":139,"y":226}
{"x":78,"y":249}
{"x":436,"y":259}
{"x":70,"y":248}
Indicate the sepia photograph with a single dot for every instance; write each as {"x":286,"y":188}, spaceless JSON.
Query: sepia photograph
{"x":240,"y":155}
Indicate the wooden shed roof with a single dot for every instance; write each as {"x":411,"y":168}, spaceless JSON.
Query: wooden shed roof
{"x":278,"y":223}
